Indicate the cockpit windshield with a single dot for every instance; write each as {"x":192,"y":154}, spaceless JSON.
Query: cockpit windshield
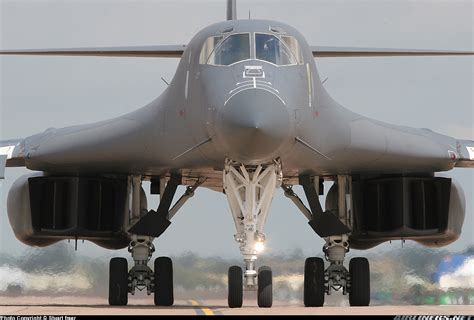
{"x":224,"y":51}
{"x":269,"y":48}
{"x":282,"y":52}
{"x":232,"y":49}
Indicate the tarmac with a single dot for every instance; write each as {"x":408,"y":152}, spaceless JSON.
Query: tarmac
{"x":144,"y":306}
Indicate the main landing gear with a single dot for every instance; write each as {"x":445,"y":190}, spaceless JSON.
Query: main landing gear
{"x":141,"y":277}
{"x":334,"y":226}
{"x":146,"y":226}
{"x":249,"y":190}
{"x":319,"y":281}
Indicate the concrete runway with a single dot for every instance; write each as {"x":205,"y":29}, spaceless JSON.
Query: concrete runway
{"x":97,"y":306}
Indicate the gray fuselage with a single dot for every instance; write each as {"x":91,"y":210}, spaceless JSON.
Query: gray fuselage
{"x":251,"y":111}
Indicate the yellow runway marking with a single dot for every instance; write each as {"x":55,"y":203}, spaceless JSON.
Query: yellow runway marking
{"x":206,"y":311}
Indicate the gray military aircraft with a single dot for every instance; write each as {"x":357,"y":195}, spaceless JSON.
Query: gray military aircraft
{"x":245,"y":114}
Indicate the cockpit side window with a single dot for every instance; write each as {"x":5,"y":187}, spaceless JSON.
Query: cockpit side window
{"x":295,"y":48}
{"x":280,"y":52}
{"x":208,"y":47}
{"x":232,"y":49}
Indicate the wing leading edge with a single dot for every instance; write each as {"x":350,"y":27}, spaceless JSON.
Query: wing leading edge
{"x":161,"y":51}
{"x":350,"y":52}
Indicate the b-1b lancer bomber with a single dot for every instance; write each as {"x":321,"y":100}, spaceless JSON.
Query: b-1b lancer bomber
{"x":245,"y":114}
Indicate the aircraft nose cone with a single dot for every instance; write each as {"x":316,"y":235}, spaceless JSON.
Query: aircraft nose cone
{"x":253,"y":126}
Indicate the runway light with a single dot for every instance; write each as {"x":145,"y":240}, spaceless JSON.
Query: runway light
{"x":259,"y":246}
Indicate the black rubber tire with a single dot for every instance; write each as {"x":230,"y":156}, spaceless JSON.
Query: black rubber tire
{"x":118,"y":282}
{"x":359,"y":271}
{"x":265,"y":291}
{"x":163,"y":282}
{"x":235,"y":287}
{"x":314,"y":287}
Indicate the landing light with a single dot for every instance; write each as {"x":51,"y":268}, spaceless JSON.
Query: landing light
{"x":259,"y":247}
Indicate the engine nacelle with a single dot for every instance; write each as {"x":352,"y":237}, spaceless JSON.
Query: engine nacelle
{"x":43,"y":210}
{"x":428,"y":210}
{"x":456,"y":214}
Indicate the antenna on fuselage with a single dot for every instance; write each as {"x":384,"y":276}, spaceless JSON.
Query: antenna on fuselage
{"x":167,"y":83}
{"x":231,"y":9}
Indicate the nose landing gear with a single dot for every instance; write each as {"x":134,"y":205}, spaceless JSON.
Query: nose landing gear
{"x":249,"y":190}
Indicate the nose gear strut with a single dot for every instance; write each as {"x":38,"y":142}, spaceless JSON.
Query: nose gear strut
{"x":249,"y":190}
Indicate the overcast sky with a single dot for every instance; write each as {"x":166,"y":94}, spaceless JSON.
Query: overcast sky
{"x":41,"y":92}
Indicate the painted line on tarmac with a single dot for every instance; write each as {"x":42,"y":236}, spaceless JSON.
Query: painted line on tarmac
{"x":202,"y":310}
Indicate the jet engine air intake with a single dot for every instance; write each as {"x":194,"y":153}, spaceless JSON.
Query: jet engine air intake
{"x":44,"y":210}
{"x":429,"y":210}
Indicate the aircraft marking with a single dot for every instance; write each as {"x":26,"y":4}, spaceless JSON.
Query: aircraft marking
{"x":7,"y":151}
{"x":471,"y":152}
{"x":261,"y":84}
{"x":250,"y":81}
{"x":452,"y":155}
{"x":310,"y":89}
{"x":258,"y":88}
{"x":186,"y":86}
